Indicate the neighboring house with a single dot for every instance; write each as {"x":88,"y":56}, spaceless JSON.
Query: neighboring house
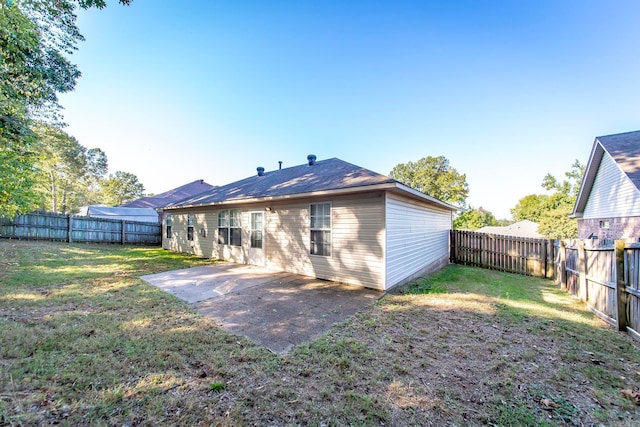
{"x":120,"y":213}
{"x":328,"y":219}
{"x":160,"y":201}
{"x":523,"y":228}
{"x":608,"y":205}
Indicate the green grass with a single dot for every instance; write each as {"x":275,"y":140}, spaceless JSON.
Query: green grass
{"x":84,"y":341}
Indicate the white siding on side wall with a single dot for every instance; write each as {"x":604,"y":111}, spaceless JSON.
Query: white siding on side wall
{"x":613,"y":194}
{"x":417,"y":236}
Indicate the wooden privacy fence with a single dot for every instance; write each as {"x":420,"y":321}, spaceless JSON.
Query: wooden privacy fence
{"x":605,"y":275}
{"x":70,"y":228}
{"x":521,"y":255}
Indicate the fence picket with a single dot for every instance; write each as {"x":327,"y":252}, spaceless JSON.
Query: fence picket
{"x":69,"y":228}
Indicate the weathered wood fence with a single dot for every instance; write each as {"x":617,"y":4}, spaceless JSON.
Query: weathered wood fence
{"x":520,"y":255}
{"x":605,"y":275}
{"x":70,"y":228}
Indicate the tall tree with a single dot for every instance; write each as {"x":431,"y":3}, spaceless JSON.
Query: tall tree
{"x":36,"y":36}
{"x":61,"y":167}
{"x":435,"y":177}
{"x":121,"y":188}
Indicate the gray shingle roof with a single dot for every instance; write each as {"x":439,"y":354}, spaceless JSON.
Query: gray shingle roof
{"x":330,"y":174}
{"x":625,"y":150}
{"x":172,"y":196}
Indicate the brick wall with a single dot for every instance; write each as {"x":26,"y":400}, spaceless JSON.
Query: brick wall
{"x":618,"y":228}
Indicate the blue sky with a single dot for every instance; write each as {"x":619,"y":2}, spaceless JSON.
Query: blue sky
{"x":508,"y":91}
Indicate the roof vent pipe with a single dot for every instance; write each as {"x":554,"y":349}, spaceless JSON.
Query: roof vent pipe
{"x":260,"y":171}
{"x":312,"y":159}
{"x":279,"y":164}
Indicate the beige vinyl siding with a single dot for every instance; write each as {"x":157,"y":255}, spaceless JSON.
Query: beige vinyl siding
{"x":357,"y":238}
{"x":613,"y":194}
{"x":202,"y":246}
{"x":417,"y":235}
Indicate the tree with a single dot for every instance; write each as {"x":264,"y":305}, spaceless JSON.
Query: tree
{"x":121,"y":188}
{"x":474,"y":219}
{"x":530,"y":207}
{"x":551,"y":212}
{"x":35,"y":38}
{"x":61,"y":166}
{"x":435,"y":177}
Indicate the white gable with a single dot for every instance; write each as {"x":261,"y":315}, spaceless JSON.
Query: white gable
{"x":613,"y":194}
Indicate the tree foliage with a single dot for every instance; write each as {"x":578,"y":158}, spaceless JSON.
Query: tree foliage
{"x":435,"y":177}
{"x":36,"y":36}
{"x":474,"y":219}
{"x":121,"y":188}
{"x":551,"y":212}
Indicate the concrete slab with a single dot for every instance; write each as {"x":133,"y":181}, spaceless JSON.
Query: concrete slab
{"x":210,"y":281}
{"x":274,"y":309}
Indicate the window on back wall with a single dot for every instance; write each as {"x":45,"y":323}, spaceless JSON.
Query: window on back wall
{"x":189,"y":227}
{"x":604,"y":224}
{"x":167,"y":221}
{"x":230,"y":227}
{"x":320,"y":227}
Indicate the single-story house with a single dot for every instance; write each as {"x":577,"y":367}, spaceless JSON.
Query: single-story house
{"x":327,"y":219}
{"x":162,"y":200}
{"x":524,"y":228}
{"x":119,"y":213}
{"x":608,"y":205}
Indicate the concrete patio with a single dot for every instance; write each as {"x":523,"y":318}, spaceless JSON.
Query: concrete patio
{"x":277,"y":310}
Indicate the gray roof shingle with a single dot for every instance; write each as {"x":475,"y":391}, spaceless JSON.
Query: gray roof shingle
{"x":625,"y":150}
{"x":330,"y":174}
{"x":172,"y":196}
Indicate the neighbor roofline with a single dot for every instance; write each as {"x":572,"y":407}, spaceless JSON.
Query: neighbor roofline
{"x":333,"y":192}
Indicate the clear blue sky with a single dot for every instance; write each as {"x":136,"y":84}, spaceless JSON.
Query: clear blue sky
{"x":175,"y":91}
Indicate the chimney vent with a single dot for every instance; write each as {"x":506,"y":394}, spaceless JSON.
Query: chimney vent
{"x":260,"y":171}
{"x":279,"y":164}
{"x":312,"y":159}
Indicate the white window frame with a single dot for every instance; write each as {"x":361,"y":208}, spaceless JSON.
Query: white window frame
{"x":229,"y":223}
{"x":324,"y":228}
{"x":190,"y":226}
{"x":261,"y":230}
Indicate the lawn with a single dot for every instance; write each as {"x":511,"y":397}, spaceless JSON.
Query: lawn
{"x":84,"y":341}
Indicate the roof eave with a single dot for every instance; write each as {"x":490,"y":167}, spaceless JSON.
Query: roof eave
{"x":334,"y":192}
{"x":597,"y":151}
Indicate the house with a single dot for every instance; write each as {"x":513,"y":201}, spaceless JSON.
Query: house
{"x":119,"y":213}
{"x":523,"y":228}
{"x":608,"y":205}
{"x":327,"y":219}
{"x":160,"y":201}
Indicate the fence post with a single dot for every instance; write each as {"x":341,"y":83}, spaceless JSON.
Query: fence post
{"x":582,"y":266}
{"x":124,"y":232}
{"x":563,"y":265}
{"x":621,"y":288}
{"x":544,"y":257}
{"x":452,"y":246}
{"x":70,"y":229}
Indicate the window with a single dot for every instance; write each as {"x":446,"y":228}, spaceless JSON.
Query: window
{"x":320,"y":226}
{"x":256,"y":230}
{"x":189,"y":227}
{"x":167,"y":221}
{"x":604,"y":224}
{"x":229,"y":227}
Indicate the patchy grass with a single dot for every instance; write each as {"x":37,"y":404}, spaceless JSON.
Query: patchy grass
{"x":84,"y":341}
